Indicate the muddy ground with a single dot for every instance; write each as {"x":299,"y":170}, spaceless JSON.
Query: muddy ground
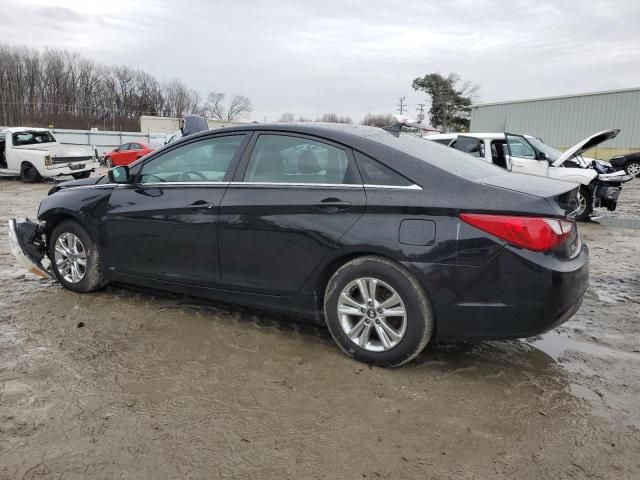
{"x":134,"y":384}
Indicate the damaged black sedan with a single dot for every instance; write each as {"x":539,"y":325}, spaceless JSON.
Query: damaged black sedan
{"x":390,"y":241}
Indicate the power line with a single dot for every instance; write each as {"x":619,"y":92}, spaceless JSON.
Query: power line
{"x":420,"y":110}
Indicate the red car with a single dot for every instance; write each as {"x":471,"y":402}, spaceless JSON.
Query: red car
{"x":126,"y":154}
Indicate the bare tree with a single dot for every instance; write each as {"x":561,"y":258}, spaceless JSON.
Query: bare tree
{"x":214,"y":106}
{"x":334,"y":118}
{"x":287,"y":117}
{"x":239,"y":107}
{"x":378,"y":120}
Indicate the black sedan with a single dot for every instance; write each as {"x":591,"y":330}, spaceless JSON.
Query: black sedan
{"x":391,"y":241}
{"x":630,"y":163}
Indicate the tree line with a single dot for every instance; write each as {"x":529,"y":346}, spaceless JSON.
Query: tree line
{"x":66,"y":90}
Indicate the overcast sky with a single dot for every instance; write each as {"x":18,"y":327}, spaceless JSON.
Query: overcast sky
{"x":346,"y":56}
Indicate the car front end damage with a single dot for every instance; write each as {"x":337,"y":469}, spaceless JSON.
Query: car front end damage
{"x":607,"y":189}
{"x":27,"y":241}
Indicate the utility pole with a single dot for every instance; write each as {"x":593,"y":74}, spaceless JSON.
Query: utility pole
{"x":420,"y":110}
{"x":402,"y":106}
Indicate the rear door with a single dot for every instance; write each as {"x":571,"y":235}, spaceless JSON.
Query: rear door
{"x":293,"y":198}
{"x":523,"y":156}
{"x":165,"y":225}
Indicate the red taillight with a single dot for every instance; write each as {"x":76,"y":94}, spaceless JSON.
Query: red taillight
{"x":533,"y":233}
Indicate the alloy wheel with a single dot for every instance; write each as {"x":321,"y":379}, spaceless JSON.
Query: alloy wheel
{"x":372,"y":314}
{"x":633,"y":168}
{"x":70,"y":257}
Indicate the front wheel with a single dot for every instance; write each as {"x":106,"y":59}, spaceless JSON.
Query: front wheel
{"x":632,"y":168}
{"x":108,"y":162}
{"x":585,"y":204}
{"x":29,"y":173}
{"x":75,"y":258}
{"x":377,"y":312}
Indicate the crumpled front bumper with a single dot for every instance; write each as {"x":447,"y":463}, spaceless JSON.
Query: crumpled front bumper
{"x":27,"y":244}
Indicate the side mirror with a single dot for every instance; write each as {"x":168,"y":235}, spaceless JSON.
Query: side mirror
{"x":120,"y":174}
{"x":542,"y":156}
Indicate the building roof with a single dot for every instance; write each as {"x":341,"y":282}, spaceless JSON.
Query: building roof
{"x":586,"y":94}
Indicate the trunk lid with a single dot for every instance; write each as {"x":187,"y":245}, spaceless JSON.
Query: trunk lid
{"x":561,"y":193}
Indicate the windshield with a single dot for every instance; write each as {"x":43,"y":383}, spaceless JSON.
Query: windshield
{"x":539,"y":145}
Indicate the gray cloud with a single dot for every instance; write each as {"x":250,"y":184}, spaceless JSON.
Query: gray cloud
{"x":353,"y":56}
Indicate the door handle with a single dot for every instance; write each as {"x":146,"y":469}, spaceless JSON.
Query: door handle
{"x":332,"y":205}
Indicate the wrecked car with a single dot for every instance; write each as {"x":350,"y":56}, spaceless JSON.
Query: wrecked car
{"x":529,"y":155}
{"x":390,"y":241}
{"x":34,"y":153}
{"x":190,"y":124}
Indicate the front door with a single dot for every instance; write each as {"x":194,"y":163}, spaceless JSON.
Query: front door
{"x":523,"y":156}
{"x":291,"y":201}
{"x":165,"y":225}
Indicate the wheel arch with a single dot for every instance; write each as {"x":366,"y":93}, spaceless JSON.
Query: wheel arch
{"x":331,"y":266}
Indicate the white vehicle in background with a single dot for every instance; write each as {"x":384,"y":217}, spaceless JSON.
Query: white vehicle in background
{"x":34,"y":153}
{"x":529,"y":155}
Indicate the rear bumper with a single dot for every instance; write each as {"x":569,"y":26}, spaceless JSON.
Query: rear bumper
{"x":517,"y":294}
{"x":69,"y":169}
{"x":26,"y":247}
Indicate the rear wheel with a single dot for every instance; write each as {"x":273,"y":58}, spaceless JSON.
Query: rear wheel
{"x":377,"y":312}
{"x":75,"y":259}
{"x":108,"y":162}
{"x":585,"y":202}
{"x":632,"y":168}
{"x":29,"y":173}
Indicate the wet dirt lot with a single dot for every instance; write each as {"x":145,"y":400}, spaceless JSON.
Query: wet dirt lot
{"x":134,"y":384}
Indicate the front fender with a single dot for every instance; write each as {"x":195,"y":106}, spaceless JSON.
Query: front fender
{"x":86,"y":205}
{"x":583,"y":176}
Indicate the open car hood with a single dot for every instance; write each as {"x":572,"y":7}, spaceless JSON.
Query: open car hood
{"x":586,"y":144}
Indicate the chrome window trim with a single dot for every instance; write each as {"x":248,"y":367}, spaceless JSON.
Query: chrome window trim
{"x":323,"y":185}
{"x":252,"y":184}
{"x":294,"y":184}
{"x":394,"y":187}
{"x":181,"y":184}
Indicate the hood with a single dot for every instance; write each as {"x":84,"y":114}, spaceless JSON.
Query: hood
{"x":586,"y":144}
{"x":78,"y":183}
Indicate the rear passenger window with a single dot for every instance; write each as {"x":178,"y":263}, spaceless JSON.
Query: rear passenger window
{"x":285,"y":159}
{"x":473,"y":146}
{"x":375,"y":173}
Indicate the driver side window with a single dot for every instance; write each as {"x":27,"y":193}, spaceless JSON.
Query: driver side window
{"x":519,"y":147}
{"x":204,"y":161}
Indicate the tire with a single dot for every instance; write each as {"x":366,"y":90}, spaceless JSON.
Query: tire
{"x":81,"y":175}
{"x":632,"y":168}
{"x":418,"y":320}
{"x":93,"y":276}
{"x":29,"y":173}
{"x":108,"y":162}
{"x":587,"y":205}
